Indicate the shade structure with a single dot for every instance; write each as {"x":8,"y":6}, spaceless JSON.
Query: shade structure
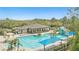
{"x":49,"y":41}
{"x":70,"y":33}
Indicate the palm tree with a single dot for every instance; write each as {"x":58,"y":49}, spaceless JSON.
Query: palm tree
{"x":18,"y":44}
{"x":14,"y":44}
{"x":10,"y":45}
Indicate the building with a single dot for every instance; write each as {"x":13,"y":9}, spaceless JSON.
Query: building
{"x":35,"y":28}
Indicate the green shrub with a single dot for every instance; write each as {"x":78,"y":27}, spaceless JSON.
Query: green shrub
{"x":1,"y":32}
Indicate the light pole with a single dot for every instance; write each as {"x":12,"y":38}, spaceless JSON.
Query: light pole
{"x":61,"y":42}
{"x":67,"y":43}
{"x":44,"y":47}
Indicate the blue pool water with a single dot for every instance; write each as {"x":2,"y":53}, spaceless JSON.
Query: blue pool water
{"x":38,"y":41}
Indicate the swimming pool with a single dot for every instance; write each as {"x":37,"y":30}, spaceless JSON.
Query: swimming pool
{"x":35,"y":41}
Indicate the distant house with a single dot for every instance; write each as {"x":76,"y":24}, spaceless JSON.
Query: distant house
{"x":35,"y":28}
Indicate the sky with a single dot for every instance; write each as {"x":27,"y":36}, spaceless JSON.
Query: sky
{"x":20,"y":13}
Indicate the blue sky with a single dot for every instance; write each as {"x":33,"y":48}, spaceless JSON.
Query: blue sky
{"x":32,"y":12}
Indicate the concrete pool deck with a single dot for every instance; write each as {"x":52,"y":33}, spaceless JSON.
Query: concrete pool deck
{"x":20,"y":35}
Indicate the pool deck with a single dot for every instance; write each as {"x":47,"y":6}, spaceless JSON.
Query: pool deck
{"x":20,"y":35}
{"x":2,"y":45}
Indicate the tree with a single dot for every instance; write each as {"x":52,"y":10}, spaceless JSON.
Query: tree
{"x":73,"y":12}
{"x":64,"y":20}
{"x":73,"y":16}
{"x":7,"y":19}
{"x":14,"y":44}
{"x":53,"y":19}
